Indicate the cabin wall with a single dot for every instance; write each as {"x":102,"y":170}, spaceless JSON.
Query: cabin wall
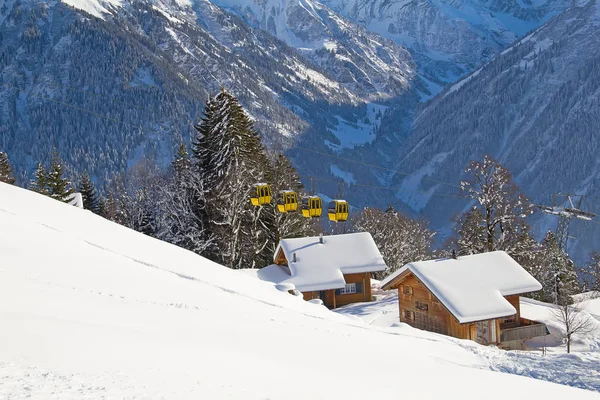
{"x":364,"y":279}
{"x":421,"y":309}
{"x":333,"y":300}
{"x":280,"y":258}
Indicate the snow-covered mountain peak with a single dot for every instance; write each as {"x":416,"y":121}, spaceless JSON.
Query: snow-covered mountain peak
{"x":363,"y":62}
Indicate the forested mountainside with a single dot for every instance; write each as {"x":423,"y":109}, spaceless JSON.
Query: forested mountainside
{"x":536,"y":108}
{"x":450,"y":38}
{"x":105,"y":91}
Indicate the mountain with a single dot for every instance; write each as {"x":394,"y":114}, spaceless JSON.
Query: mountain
{"x":91,"y":309}
{"x":106,"y":83}
{"x":450,"y":38}
{"x":536,"y":108}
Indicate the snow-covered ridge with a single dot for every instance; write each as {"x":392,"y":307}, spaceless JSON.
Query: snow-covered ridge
{"x":90,"y":308}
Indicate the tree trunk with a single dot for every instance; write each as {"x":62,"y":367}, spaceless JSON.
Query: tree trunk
{"x":568,"y":343}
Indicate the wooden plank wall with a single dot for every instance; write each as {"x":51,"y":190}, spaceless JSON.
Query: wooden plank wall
{"x":435,"y":319}
{"x":515,"y":301}
{"x":365,"y":280}
{"x":333,"y":301}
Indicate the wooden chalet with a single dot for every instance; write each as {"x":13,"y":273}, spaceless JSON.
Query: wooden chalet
{"x":336,"y":269}
{"x":472,"y":297}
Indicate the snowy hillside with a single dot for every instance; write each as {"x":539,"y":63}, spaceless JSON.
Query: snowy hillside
{"x":578,"y":369}
{"x":138,"y":77}
{"x":450,"y":38}
{"x":90,"y":309}
{"x":534,"y":108}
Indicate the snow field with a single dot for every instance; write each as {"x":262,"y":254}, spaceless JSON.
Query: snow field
{"x":92,"y":310}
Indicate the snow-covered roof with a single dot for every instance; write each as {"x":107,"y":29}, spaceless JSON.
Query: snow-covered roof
{"x":321,"y":266}
{"x":472,"y":287}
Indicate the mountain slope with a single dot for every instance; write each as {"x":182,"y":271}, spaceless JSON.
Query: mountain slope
{"x":98,"y":310}
{"x":105,"y":91}
{"x":450,"y":38}
{"x":535,"y":108}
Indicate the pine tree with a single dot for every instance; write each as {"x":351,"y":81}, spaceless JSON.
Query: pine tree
{"x":89,"y":194}
{"x":59,"y":188}
{"x":592,"y":273}
{"x":556,"y":272}
{"x":40,"y":183}
{"x":181,"y":164}
{"x":230,"y":159}
{"x":6,"y":170}
{"x":471,"y":233}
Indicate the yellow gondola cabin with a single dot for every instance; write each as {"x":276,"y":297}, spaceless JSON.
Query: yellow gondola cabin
{"x":261,"y":195}
{"x":287,"y":201}
{"x":312,"y":207}
{"x":338,"y":210}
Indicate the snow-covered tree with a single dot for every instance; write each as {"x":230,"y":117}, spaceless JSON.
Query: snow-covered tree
{"x":592,"y":273}
{"x":502,"y":208}
{"x":399,"y":238}
{"x":59,"y":188}
{"x":230,"y":159}
{"x":470,"y":233}
{"x":40,"y":182}
{"x":6,"y":170}
{"x":556,"y":272}
{"x":89,"y":194}
{"x":182,"y":207}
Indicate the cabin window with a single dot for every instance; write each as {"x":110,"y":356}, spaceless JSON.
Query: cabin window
{"x":421,"y":306}
{"x":508,"y":320}
{"x":348,"y":289}
{"x":409,"y":315}
{"x":408,"y":290}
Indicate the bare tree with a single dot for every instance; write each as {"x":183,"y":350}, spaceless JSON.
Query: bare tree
{"x":574,"y":320}
{"x":500,"y":206}
{"x":399,"y":238}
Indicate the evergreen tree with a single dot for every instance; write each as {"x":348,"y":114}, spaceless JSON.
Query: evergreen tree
{"x":40,"y":182}
{"x":181,"y":164}
{"x":592,"y":273}
{"x":89,"y":194}
{"x":556,"y":272}
{"x":6,"y":175}
{"x":230,"y":159}
{"x":471,"y":234}
{"x":59,"y":188}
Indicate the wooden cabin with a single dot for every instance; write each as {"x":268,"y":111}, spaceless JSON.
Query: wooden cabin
{"x":336,"y":269}
{"x":472,"y":297}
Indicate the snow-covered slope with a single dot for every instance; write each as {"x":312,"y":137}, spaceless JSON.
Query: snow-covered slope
{"x":361,"y":61}
{"x":90,"y":309}
{"x":579,"y":369}
{"x":450,"y":38}
{"x":535,"y":108}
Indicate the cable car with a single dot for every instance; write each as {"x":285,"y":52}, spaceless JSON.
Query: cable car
{"x":287,"y":201}
{"x":338,"y":210}
{"x":312,"y":207}
{"x":261,"y":195}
